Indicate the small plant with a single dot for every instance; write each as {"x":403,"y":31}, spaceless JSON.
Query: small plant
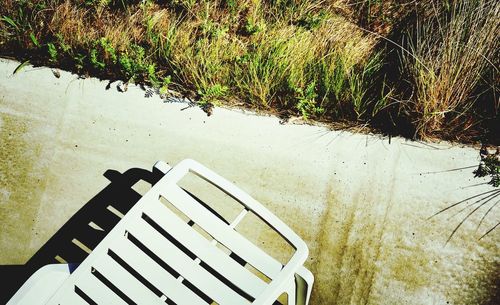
{"x":212,"y":94}
{"x":489,"y":166}
{"x":165,"y":42}
{"x":10,"y":22}
{"x":145,"y":4}
{"x":126,"y":64}
{"x":101,"y":53}
{"x":232,"y":5}
{"x":152,"y":35}
{"x":152,"y":77}
{"x":52,"y":50}
{"x":332,"y":74}
{"x":34,"y":40}
{"x":66,"y":48}
{"x":97,"y":3}
{"x":213,"y":29}
{"x":79,"y":61}
{"x":253,"y":27}
{"x":164,"y":86}
{"x":94,"y":60}
{"x":132,"y":62}
{"x":386,"y":93}
{"x":313,"y":21}
{"x":306,"y":101}
{"x":185,"y":4}
{"x":108,"y":49}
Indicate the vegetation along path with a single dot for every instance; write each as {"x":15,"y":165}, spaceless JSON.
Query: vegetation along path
{"x":423,"y":69}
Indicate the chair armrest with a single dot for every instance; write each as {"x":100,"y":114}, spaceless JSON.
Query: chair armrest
{"x":41,"y":285}
{"x":281,"y":282}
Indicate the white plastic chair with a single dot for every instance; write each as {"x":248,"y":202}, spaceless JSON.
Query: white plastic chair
{"x":153,"y":256}
{"x":42,"y":284}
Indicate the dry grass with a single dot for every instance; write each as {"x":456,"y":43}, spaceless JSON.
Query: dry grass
{"x":69,"y":22}
{"x":80,"y":26}
{"x":450,"y":54}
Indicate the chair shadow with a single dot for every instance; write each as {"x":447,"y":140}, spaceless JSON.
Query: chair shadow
{"x":84,"y":230}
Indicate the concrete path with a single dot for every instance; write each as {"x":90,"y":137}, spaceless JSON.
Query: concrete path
{"x":360,"y":202}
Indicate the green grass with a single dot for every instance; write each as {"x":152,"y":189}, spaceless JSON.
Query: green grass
{"x":320,"y":60}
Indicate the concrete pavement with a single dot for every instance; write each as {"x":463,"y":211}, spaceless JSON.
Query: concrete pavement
{"x":361,"y":203}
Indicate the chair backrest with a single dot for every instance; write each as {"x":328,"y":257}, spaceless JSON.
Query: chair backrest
{"x":171,"y":249}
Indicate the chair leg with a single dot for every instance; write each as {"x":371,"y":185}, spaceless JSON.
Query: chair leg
{"x":304,"y":280}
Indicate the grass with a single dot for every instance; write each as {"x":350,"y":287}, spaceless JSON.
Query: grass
{"x":450,"y":54}
{"x":322,"y":60}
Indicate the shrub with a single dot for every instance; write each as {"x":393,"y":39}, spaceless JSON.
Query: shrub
{"x":449,"y":53}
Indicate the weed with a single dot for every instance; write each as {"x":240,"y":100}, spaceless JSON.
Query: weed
{"x":313,"y":21}
{"x":152,"y":77}
{"x":185,"y":4}
{"x":164,"y":85}
{"x":386,"y":94}
{"x":126,"y":65}
{"x":151,"y":34}
{"x":79,"y":61}
{"x":165,"y":43}
{"x":307,"y":104}
{"x":108,"y":50}
{"x":274,"y":66}
{"x":34,"y":40}
{"x":490,"y":166}
{"x":66,"y":48}
{"x":213,"y":94}
{"x":253,"y":27}
{"x":52,"y":51}
{"x":10,"y":22}
{"x":132,"y":62}
{"x":232,"y":5}
{"x":94,"y":60}
{"x":97,"y":3}
{"x":332,"y":74}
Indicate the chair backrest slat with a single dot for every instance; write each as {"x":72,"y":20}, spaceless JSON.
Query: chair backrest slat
{"x":78,"y":297}
{"x":109,"y":269}
{"x":209,"y":254}
{"x":88,"y":286}
{"x":222,"y":232}
{"x":166,"y":283}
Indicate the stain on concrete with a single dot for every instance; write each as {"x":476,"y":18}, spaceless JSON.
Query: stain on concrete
{"x":475,"y":278}
{"x":483,"y":285}
{"x":363,"y":249}
{"x":20,"y":189}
